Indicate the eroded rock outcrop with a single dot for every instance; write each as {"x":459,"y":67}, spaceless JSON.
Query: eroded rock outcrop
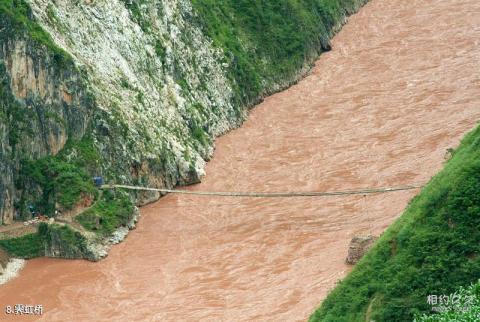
{"x":358,"y":247}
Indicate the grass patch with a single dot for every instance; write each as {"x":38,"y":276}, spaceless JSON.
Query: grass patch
{"x":115,"y":209}
{"x":28,"y":246}
{"x":135,"y":8}
{"x":433,"y":248}
{"x":125,"y":84}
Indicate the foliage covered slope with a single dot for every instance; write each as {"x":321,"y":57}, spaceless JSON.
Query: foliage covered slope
{"x":268,"y":42}
{"x":433,"y":248}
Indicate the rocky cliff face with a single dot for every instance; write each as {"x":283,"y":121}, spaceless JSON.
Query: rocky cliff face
{"x":152,"y":97}
{"x":42,"y":104}
{"x":159,"y":84}
{"x":141,"y":78}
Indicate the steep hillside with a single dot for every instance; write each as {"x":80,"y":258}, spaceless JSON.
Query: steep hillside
{"x":136,"y":91}
{"x":432,"y":249}
{"x":270,"y":44}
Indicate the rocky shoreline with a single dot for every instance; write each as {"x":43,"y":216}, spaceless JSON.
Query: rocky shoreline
{"x":11,"y":270}
{"x":98,"y":248}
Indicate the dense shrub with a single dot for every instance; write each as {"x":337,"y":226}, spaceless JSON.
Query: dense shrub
{"x":60,"y":181}
{"x":113,"y":210}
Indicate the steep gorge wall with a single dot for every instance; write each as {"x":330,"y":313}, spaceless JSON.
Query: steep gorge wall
{"x":150,"y":83}
{"x":159,"y":84}
{"x":42,"y":104}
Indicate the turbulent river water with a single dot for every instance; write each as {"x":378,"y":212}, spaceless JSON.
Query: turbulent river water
{"x":401,"y":85}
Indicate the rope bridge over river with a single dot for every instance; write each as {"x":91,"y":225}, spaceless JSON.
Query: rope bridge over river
{"x":268,"y":194}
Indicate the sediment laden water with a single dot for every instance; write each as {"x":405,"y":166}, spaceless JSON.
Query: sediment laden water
{"x":400,"y":86}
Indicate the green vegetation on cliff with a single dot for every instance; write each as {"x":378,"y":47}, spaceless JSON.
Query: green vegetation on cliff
{"x":268,"y":42}
{"x":432,"y":249}
{"x":12,"y":114}
{"x":113,"y":210}
{"x":61,"y":180}
{"x":50,"y":179}
{"x":16,"y":15}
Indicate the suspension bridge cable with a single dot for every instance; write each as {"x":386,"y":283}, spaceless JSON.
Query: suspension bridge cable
{"x":267,"y":194}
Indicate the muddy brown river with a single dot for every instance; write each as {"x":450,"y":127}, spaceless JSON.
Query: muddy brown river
{"x":401,"y":85}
